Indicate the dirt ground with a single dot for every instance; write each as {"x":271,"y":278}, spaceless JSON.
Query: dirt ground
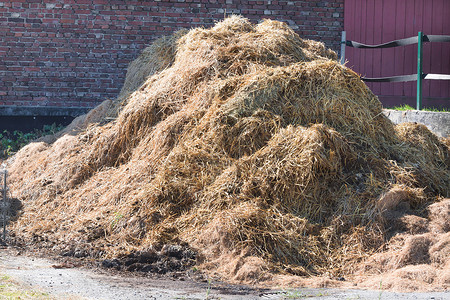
{"x":67,"y":278}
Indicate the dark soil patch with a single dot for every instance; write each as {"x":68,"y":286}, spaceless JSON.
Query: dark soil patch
{"x":171,"y":259}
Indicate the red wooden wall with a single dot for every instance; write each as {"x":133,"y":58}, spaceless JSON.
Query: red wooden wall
{"x":380,"y":21}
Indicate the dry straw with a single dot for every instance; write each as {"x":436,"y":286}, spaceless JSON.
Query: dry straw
{"x":241,"y":140}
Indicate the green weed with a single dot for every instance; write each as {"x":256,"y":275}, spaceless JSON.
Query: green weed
{"x":117,"y":217}
{"x":299,"y":294}
{"x":208,"y":290}
{"x":12,"y":290}
{"x":11,"y":142}
{"x":406,"y":107}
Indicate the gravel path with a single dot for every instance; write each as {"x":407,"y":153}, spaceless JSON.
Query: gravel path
{"x":79,"y":283}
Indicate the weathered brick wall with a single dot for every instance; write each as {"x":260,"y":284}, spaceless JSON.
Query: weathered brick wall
{"x":74,"y":53}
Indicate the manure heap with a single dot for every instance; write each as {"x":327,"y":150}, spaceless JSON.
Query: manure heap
{"x":254,"y":149}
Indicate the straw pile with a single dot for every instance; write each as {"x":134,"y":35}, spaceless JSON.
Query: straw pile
{"x":249,"y":144}
{"x":417,"y":258}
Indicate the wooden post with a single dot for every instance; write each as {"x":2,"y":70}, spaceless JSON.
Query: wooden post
{"x":343,"y":41}
{"x":419,"y":72}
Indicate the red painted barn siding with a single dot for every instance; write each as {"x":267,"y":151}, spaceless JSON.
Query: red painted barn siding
{"x":380,"y":21}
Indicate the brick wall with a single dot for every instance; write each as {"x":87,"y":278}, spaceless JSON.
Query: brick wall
{"x":74,"y":53}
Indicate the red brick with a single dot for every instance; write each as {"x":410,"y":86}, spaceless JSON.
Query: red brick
{"x":67,"y":55}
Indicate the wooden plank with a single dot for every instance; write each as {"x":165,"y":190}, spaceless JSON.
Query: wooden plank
{"x":363,"y":36}
{"x":399,"y":52}
{"x":410,"y":58}
{"x":357,"y":36}
{"x":436,"y":48}
{"x":427,"y":20}
{"x":377,"y":39}
{"x":387,"y":56}
{"x":445,"y":91}
{"x":445,"y":50}
{"x":369,"y":65}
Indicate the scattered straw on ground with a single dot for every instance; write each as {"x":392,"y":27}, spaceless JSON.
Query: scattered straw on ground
{"x":257,"y":149}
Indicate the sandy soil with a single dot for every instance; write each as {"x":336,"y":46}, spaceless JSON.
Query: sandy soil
{"x":64,"y":280}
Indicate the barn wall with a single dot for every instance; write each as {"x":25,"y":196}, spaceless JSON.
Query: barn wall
{"x":380,"y":21}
